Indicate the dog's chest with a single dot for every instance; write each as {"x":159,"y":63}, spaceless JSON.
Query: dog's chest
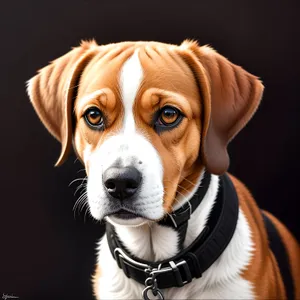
{"x":221,"y":281}
{"x":118,"y":286}
{"x":113,"y":284}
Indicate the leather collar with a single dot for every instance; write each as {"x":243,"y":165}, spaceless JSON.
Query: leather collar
{"x":182,"y":214}
{"x":192,"y":261}
{"x":178,"y":219}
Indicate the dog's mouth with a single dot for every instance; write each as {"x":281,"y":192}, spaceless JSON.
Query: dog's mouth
{"x":125,"y":215}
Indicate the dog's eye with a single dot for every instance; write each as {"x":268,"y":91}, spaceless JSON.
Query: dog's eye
{"x":94,"y":118}
{"x":169,"y":116}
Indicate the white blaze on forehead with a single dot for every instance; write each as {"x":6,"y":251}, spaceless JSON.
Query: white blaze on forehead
{"x":130,"y":81}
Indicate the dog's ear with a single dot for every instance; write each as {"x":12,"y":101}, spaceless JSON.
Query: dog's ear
{"x":53,"y":90}
{"x":230,"y":97}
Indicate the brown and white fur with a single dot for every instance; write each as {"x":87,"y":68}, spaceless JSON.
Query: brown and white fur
{"x":128,"y":82}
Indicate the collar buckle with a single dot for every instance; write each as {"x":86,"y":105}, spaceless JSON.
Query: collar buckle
{"x":174,"y":268}
{"x":123,"y":259}
{"x":153,"y":273}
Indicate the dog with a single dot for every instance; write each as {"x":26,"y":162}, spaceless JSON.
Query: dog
{"x":151,"y":123}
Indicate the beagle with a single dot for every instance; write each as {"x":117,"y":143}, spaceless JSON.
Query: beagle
{"x":151,"y":123}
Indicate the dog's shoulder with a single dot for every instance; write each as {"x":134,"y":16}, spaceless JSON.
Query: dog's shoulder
{"x":266,"y":276}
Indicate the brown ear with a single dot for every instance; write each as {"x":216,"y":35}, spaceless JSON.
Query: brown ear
{"x":230,"y":96}
{"x":53,"y":90}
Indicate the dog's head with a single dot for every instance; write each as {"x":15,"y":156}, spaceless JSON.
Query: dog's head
{"x":145,"y":119}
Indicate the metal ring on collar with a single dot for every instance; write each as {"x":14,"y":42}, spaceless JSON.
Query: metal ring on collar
{"x":158,"y":293}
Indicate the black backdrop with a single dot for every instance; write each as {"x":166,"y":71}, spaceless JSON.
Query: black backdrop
{"x":46,"y":253}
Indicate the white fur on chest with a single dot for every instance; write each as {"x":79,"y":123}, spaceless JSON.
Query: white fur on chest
{"x":221,"y":281}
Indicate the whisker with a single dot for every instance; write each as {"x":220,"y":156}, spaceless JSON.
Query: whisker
{"x":84,"y":203}
{"x":185,"y":189}
{"x":177,"y":201}
{"x":181,"y":202}
{"x":73,"y":87}
{"x":178,"y":185}
{"x":80,"y":203}
{"x":181,"y":194}
{"x":82,"y":185}
{"x":82,"y":197}
{"x":193,"y":184}
{"x":83,"y":178}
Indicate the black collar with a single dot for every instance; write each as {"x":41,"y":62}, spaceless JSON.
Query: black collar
{"x":192,"y":261}
{"x":178,"y":219}
{"x":181,"y":216}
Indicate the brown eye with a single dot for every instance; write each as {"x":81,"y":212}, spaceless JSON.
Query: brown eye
{"x":94,"y":118}
{"x":169,"y":115}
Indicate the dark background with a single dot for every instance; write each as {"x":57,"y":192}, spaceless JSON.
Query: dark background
{"x":46,"y":253}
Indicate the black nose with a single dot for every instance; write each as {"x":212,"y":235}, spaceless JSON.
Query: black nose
{"x":121,"y":183}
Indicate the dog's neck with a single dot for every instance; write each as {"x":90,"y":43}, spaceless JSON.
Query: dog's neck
{"x":155,"y":242}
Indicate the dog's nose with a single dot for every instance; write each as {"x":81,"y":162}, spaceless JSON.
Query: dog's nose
{"x":121,"y":183}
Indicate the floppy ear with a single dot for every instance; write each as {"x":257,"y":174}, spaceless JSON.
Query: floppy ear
{"x":53,"y":90}
{"x":230,"y":97}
